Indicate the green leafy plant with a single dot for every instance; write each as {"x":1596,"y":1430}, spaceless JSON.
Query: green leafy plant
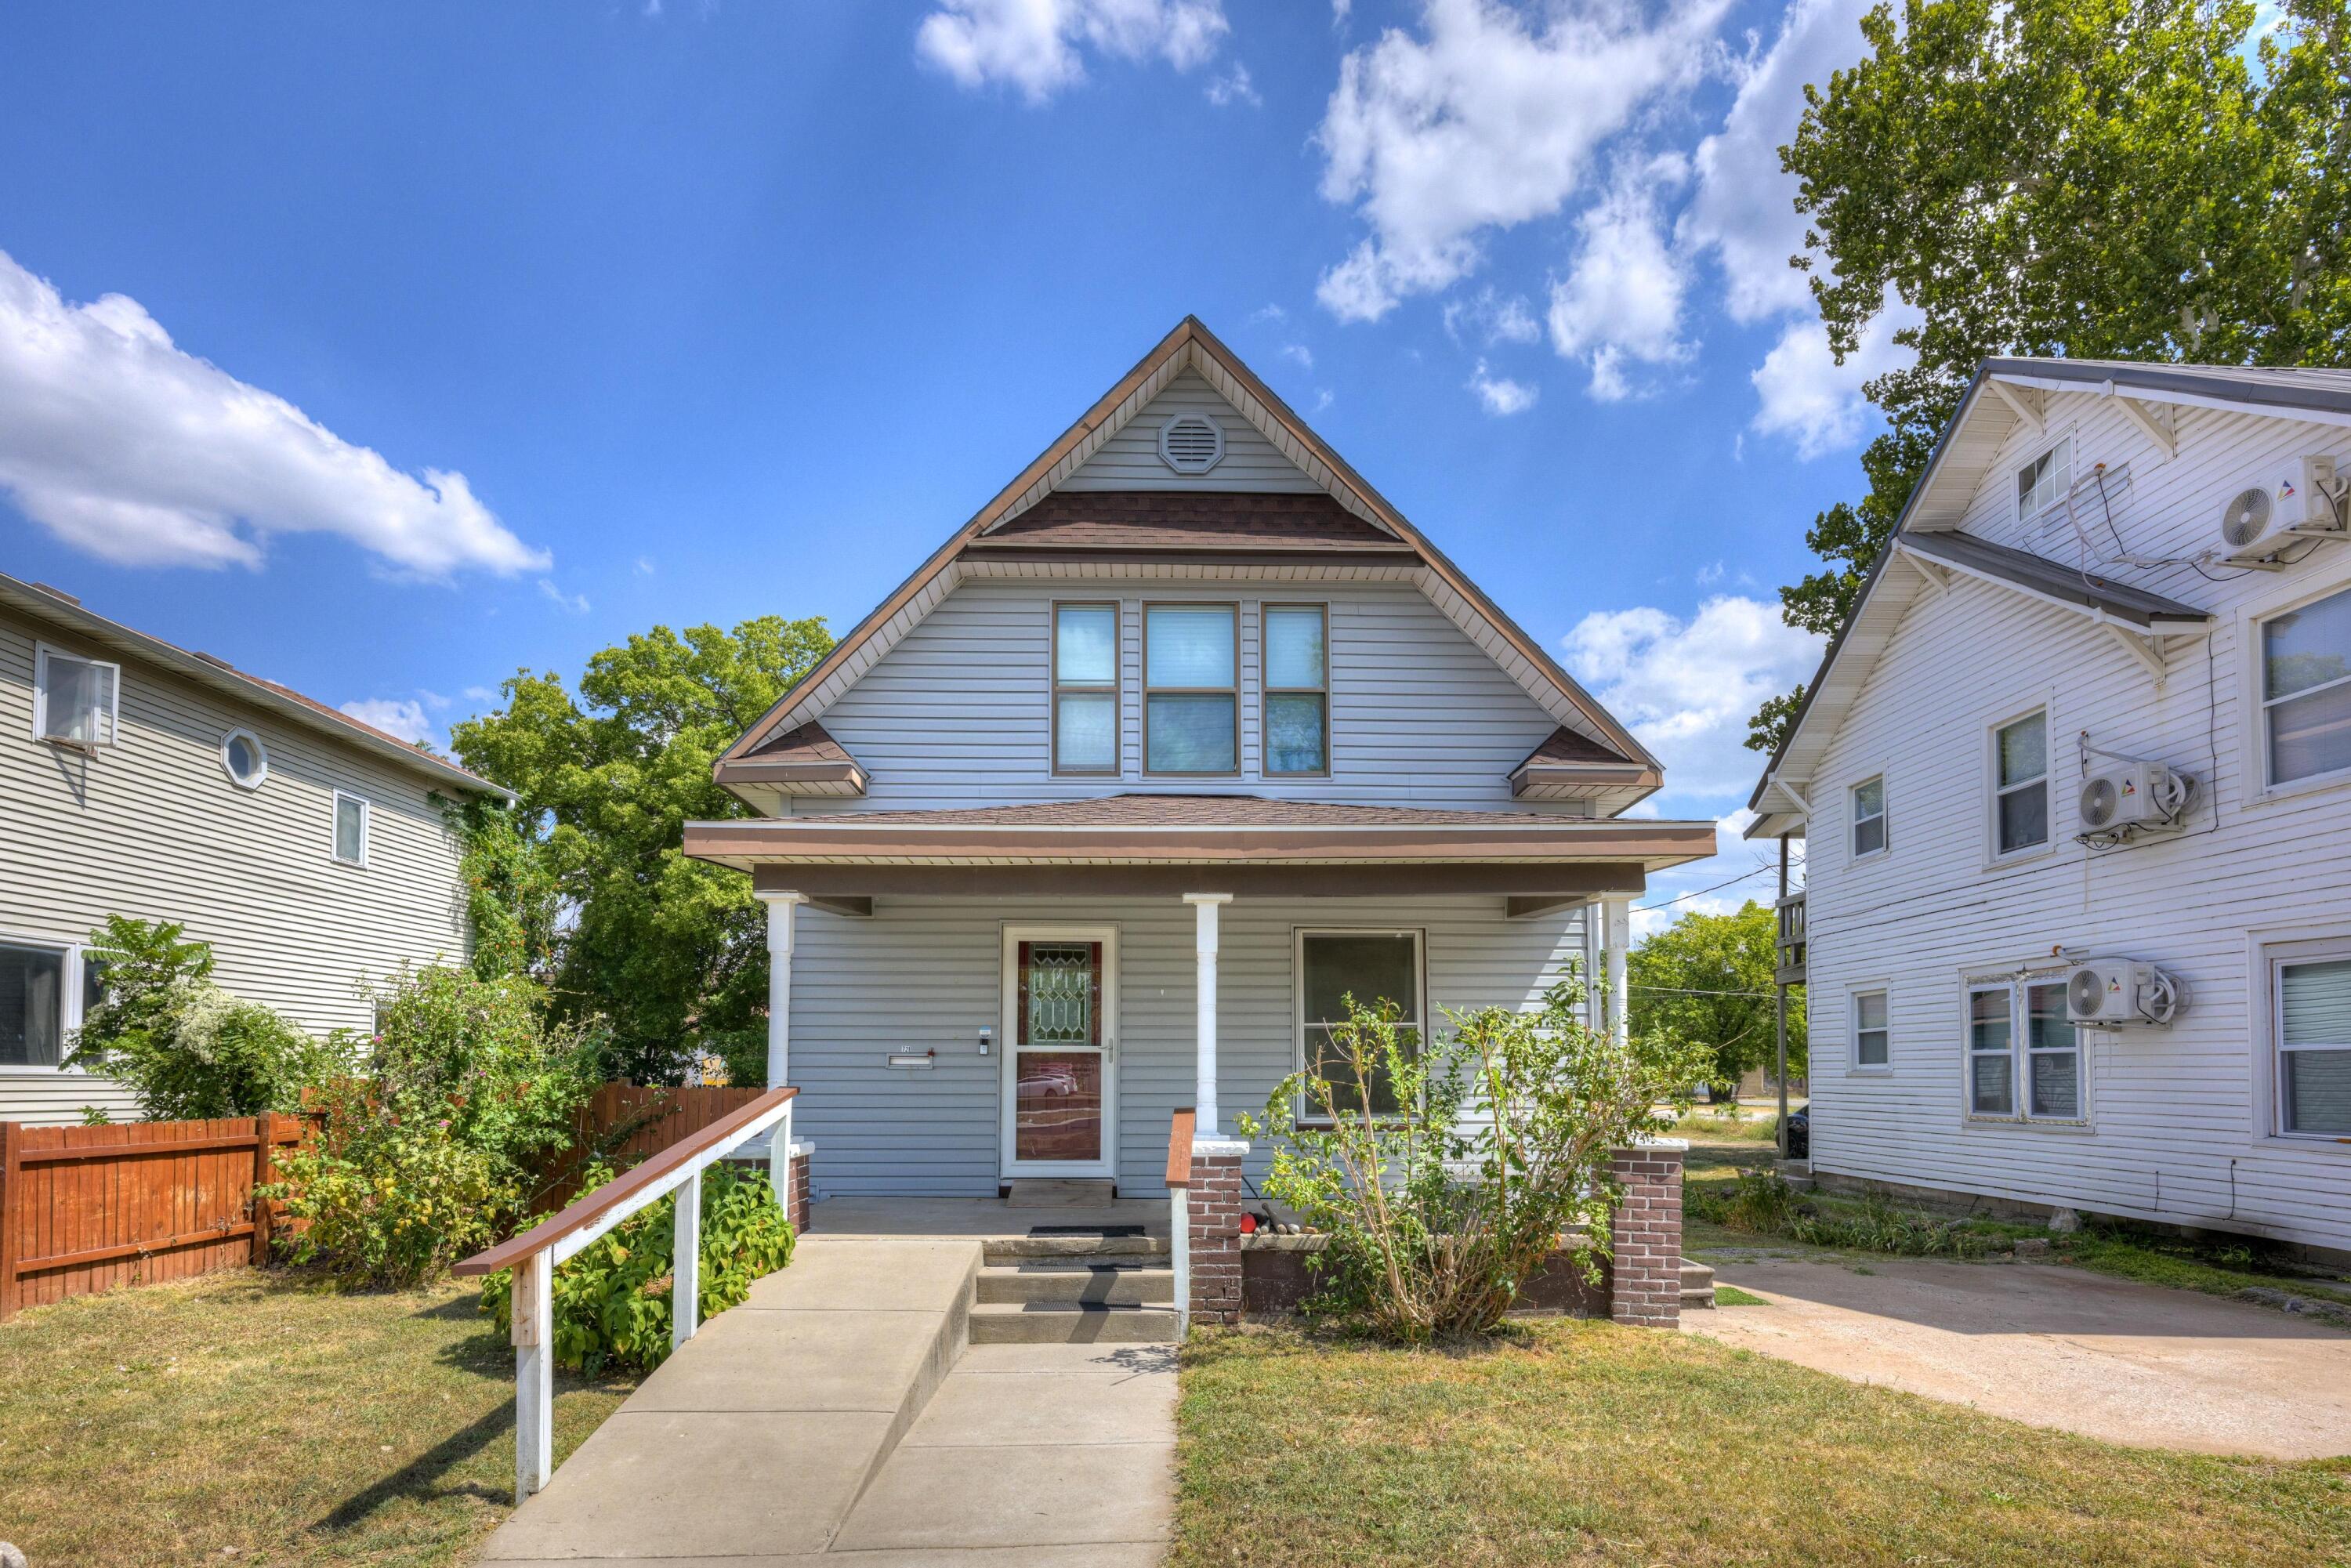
{"x":612,"y":1302}
{"x":1760,"y":1203}
{"x":184,"y":1046}
{"x":1439,"y":1216}
{"x":441,"y":1142}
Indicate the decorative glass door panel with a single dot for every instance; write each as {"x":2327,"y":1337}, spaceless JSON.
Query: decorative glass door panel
{"x":1060,"y":1053}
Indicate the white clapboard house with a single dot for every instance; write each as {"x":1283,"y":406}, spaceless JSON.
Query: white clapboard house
{"x":2075,"y":790}
{"x":1185,"y":736}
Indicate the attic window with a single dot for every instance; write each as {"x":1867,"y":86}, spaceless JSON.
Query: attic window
{"x":1192,"y":443}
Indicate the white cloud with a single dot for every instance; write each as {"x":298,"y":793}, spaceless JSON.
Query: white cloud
{"x":1804,"y":395}
{"x":403,"y":716}
{"x":1487,"y":120}
{"x":1744,"y":206}
{"x":1038,"y":46}
{"x":482,"y":694}
{"x":1621,"y":303}
{"x":124,"y":445}
{"x":1303,"y":355}
{"x":1502,"y":396}
{"x":1686,"y":687}
{"x":1233,"y":87}
{"x":575,"y":602}
{"x":1339,"y":11}
{"x":1492,"y":319}
{"x":644,"y":565}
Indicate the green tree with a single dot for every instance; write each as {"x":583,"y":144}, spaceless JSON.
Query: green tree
{"x":662,"y":948}
{"x":2156,"y":179}
{"x":1707,"y":978}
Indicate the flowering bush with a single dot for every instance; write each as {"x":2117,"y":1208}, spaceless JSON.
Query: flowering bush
{"x":1438,"y":1218}
{"x":182,"y":1045}
{"x":612,"y":1302}
{"x":437,"y":1146}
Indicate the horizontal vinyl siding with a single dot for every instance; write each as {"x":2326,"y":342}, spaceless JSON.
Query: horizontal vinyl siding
{"x":958,"y":714}
{"x":152,"y":827}
{"x":924,"y":975}
{"x":1129,"y":460}
{"x":2178,"y":1115}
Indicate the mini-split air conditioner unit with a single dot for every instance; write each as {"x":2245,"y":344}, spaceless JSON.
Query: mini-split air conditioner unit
{"x":2108,"y":993}
{"x":2263,"y":522}
{"x":2125,"y":799}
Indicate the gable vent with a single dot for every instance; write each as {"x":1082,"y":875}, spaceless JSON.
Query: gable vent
{"x":1191,"y":444}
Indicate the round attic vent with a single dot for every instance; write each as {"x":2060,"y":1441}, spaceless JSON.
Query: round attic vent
{"x":1191,"y":444}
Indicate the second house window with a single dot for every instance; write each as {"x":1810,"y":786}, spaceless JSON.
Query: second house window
{"x":1297,"y":689}
{"x":1191,"y":692}
{"x":1085,"y":688}
{"x":2021,"y":784}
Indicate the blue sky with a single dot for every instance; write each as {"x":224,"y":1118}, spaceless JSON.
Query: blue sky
{"x":383,"y":351}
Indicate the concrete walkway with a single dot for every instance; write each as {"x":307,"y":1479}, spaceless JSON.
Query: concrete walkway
{"x":837,"y":1416}
{"x":2054,"y":1346}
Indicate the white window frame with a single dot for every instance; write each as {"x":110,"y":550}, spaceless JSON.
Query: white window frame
{"x":70,"y":980}
{"x":2018,"y":989}
{"x":2255,"y":730}
{"x":2273,"y":951}
{"x":42,"y":653}
{"x":1309,"y":1115}
{"x":367,"y":828}
{"x":2064,"y":442}
{"x":1115,"y":689}
{"x":1853,"y":1031}
{"x":259,"y":779}
{"x":1885,"y":819}
{"x":1994,"y":791}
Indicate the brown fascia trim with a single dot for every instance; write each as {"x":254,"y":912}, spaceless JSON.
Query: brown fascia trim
{"x":786,"y":773}
{"x":1549,"y":882}
{"x":1586,"y":775}
{"x":1579,"y":840}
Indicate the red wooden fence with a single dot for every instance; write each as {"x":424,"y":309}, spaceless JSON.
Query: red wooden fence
{"x":84,"y":1209}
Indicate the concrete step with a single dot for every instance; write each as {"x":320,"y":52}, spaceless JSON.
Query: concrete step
{"x":1698,"y":1286}
{"x":1071,"y":1322}
{"x":1129,"y":1282}
{"x":1004,"y":1250}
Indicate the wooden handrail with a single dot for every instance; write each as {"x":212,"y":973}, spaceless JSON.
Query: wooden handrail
{"x":585,"y":1211}
{"x":1179,"y":1147}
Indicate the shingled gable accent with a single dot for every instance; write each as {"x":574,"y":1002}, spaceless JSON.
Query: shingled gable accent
{"x":802,"y":760}
{"x":1569,"y":766}
{"x":1191,"y":345}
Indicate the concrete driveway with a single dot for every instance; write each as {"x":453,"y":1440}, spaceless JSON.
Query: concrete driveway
{"x":2054,"y":1346}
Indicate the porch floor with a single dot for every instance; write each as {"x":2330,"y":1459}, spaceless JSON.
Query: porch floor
{"x":983,"y":1219}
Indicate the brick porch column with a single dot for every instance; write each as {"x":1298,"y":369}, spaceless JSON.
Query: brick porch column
{"x":1215,"y":1214}
{"x":797,"y":1202}
{"x":1644,"y":1277}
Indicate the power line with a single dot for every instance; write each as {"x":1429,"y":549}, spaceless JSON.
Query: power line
{"x":1702,"y":892}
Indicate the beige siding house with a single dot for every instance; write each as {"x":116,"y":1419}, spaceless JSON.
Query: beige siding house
{"x":2093,"y":718}
{"x":138,"y":779}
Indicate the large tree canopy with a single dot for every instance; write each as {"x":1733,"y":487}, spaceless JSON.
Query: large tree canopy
{"x":2153,"y":179}
{"x":1707,"y":979}
{"x":669,"y":950}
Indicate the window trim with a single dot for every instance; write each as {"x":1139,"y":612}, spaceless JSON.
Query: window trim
{"x":1303,"y":1115}
{"x":70,"y":981}
{"x":1055,"y":686}
{"x":1853,"y":1031}
{"x":42,"y":653}
{"x":1234,"y":691}
{"x":367,"y":828}
{"x":1994,"y":792}
{"x":2018,"y":984}
{"x":1267,"y":690}
{"x":1885,"y":819}
{"x":2273,"y":951}
{"x":2252,"y":630}
{"x":261,"y":777}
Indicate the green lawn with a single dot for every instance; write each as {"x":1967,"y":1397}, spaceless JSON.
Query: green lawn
{"x":1588,"y":1443}
{"x":170,"y":1424}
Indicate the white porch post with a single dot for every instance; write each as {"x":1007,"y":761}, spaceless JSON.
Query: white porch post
{"x":1204,"y":907}
{"x":1616,"y":933}
{"x":781,"y":908}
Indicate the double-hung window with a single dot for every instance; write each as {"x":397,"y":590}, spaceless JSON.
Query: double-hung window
{"x":45,"y":990}
{"x":1191,"y":689}
{"x":1374,"y":968}
{"x":2044,"y":482}
{"x":1868,"y":817}
{"x":2021,"y":784}
{"x":2024,"y":1057}
{"x":74,"y":698}
{"x":1297,"y":696}
{"x":2306,"y":690}
{"x":1871,"y":1033}
{"x":350,"y":829}
{"x":1085,"y":688}
{"x":2311,"y":1027}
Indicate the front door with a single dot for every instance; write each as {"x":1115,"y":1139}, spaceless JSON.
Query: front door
{"x":1060,"y":1026}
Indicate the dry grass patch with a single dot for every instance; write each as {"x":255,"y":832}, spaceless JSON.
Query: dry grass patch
{"x":1586,"y":1443}
{"x":170,"y":1424}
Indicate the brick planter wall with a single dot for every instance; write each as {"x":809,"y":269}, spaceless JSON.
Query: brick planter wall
{"x":1215,"y":1204}
{"x":1644,"y":1277}
{"x":797,"y":1204}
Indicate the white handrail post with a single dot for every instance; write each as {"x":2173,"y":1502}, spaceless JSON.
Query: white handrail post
{"x":532,"y":1317}
{"x":1204,"y":909}
{"x":1179,"y":1245}
{"x":685,"y":1264}
{"x":779,"y":1160}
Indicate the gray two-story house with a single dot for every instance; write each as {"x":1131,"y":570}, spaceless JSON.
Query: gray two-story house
{"x":1186,"y":735}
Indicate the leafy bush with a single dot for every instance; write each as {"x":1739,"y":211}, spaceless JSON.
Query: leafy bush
{"x":1761,"y":1203}
{"x":1438,"y":1218}
{"x":437,"y":1146}
{"x":612,"y":1305}
{"x":184,"y":1046}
